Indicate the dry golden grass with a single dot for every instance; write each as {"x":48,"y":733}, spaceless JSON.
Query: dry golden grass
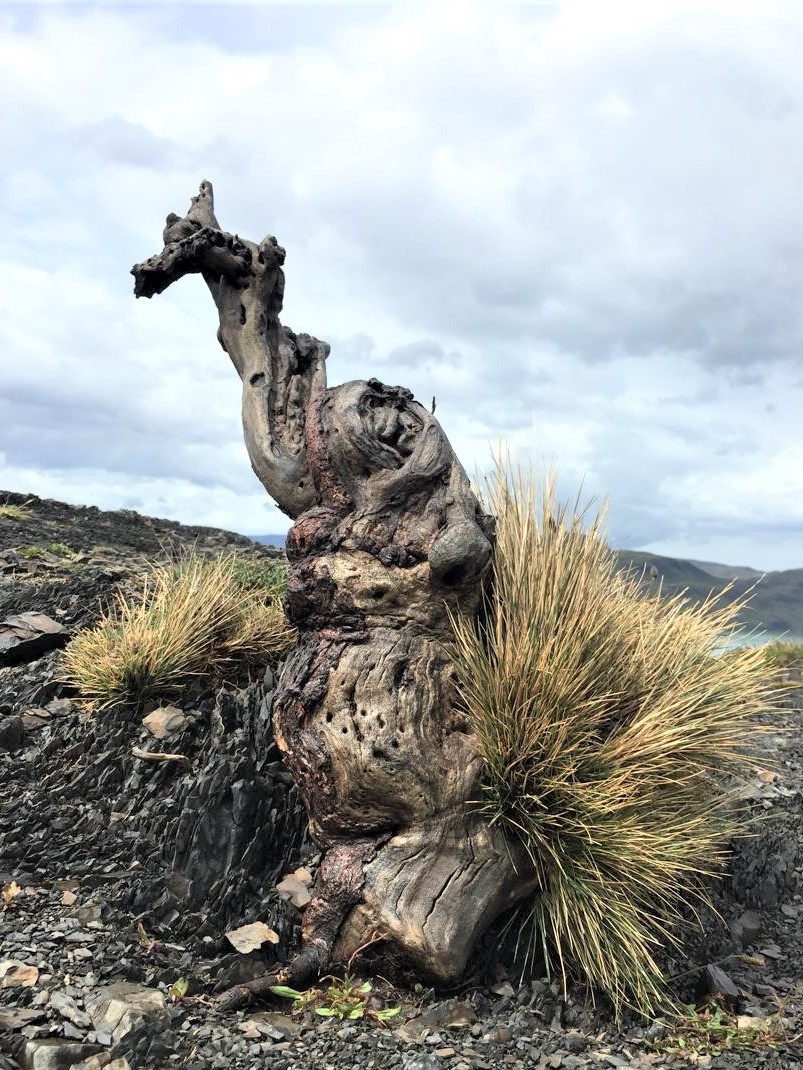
{"x":193,"y":616}
{"x":10,"y":511}
{"x":613,"y":737}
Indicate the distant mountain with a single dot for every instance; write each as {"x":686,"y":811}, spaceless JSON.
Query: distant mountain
{"x":777,"y":601}
{"x":728,"y":572}
{"x":776,"y":598}
{"x":673,"y":575}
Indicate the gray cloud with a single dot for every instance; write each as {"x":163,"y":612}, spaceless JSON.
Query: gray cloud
{"x":577,"y":230}
{"x":119,"y":141}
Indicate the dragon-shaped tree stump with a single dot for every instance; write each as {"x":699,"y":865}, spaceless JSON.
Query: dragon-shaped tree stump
{"x":388,"y":539}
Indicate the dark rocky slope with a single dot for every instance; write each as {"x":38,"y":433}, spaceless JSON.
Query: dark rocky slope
{"x":131,"y":870}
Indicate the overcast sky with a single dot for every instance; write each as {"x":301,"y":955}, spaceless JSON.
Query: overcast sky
{"x":578,"y":225}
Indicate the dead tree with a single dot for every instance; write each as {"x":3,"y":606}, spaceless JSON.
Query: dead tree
{"x":388,"y":538}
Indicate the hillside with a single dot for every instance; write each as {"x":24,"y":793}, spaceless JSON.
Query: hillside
{"x":727,"y":572}
{"x":777,"y":601}
{"x":134,"y":850}
{"x":776,"y":598}
{"x":56,"y":532}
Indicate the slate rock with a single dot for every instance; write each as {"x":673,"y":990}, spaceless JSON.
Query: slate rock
{"x":67,"y":1008}
{"x":18,"y":1017}
{"x":747,"y":928}
{"x":451,"y":1014}
{"x":119,"y":1007}
{"x":52,"y":1054}
{"x":423,"y":1061}
{"x":26,"y":636}
{"x":165,"y":721}
{"x":12,"y":732}
{"x":715,"y":982}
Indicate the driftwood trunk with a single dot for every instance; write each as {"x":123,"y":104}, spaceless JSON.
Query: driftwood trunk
{"x":388,"y":539}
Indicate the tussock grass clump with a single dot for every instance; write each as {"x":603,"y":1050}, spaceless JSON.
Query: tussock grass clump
{"x":611,"y":735}
{"x":193,"y":616}
{"x":9,"y":511}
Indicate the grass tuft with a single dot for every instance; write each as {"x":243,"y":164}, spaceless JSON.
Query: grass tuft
{"x":10,"y":511}
{"x":784,"y":655}
{"x":193,"y":616}
{"x":31,"y":552}
{"x":613,"y":738}
{"x":267,"y":577}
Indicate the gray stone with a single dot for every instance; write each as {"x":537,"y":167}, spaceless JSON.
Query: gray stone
{"x":102,"y":1061}
{"x":715,"y":982}
{"x":575,"y":1042}
{"x":12,"y":731}
{"x":26,"y":636}
{"x":17,"y":1017}
{"x":165,"y":721}
{"x":53,"y":1054}
{"x":747,"y":928}
{"x":451,"y":1014}
{"x":273,"y":1024}
{"x":68,"y":1009}
{"x":120,"y":1007}
{"x":422,"y":1062}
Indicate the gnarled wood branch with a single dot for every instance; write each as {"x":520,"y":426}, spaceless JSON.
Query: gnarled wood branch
{"x":388,"y":540}
{"x":279,"y":370}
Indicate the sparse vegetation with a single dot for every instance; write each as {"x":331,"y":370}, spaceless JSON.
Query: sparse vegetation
{"x":60,"y":548}
{"x":346,"y":998}
{"x":268,"y":577}
{"x":612,"y":739}
{"x":8,"y":511}
{"x":712,"y":1030}
{"x":192,"y":616}
{"x":783,"y":655}
{"x":30,"y":553}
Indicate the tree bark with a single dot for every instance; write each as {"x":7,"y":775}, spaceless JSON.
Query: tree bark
{"x":388,"y":540}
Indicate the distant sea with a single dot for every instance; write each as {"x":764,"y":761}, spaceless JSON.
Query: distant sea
{"x":270,"y":540}
{"x":760,"y":638}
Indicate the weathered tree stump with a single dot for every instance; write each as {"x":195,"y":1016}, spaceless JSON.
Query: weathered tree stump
{"x":388,"y":539}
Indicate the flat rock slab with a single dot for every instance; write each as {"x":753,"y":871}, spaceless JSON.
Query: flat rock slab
{"x":18,"y":1017}
{"x":26,"y":636}
{"x":116,"y":1008}
{"x":53,"y":1054}
{"x":164,"y":722}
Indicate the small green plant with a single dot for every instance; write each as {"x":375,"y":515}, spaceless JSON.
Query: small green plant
{"x":144,"y":938}
{"x":264,"y":576}
{"x":612,"y":737}
{"x":31,"y":552}
{"x":14,"y":512}
{"x":178,"y":989}
{"x":346,"y":998}
{"x":61,"y":548}
{"x":192,"y":616}
{"x":713,"y":1030}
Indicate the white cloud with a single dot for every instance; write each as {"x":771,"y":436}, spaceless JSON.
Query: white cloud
{"x":576,"y":226}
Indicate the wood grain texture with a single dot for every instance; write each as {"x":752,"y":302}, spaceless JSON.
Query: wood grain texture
{"x":388,"y":540}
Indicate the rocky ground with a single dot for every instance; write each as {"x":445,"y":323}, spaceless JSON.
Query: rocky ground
{"x":122,"y":871}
